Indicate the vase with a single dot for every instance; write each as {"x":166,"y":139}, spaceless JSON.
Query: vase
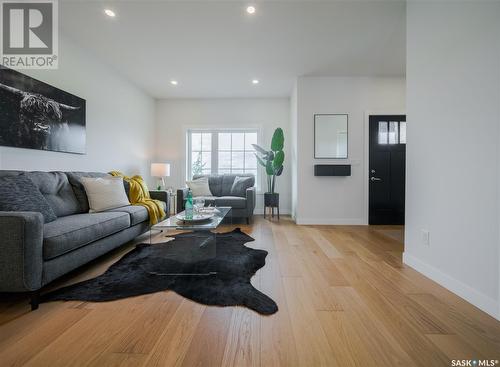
{"x":272,"y":199}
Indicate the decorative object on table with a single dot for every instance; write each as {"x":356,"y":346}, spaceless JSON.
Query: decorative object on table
{"x":104,"y":193}
{"x":139,"y":195}
{"x":199,"y":187}
{"x":148,"y":269}
{"x":272,"y":160}
{"x":330,"y":136}
{"x":188,"y":213}
{"x":198,"y":217}
{"x":198,"y":204}
{"x":160,"y":170}
{"x":36,"y":115}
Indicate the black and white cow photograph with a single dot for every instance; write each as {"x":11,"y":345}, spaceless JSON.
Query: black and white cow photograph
{"x":36,"y":115}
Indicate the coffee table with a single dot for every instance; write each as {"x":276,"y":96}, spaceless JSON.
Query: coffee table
{"x":203,"y":234}
{"x":173,"y":223}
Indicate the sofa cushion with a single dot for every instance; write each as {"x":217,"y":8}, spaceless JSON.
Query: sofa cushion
{"x":66,"y":234}
{"x":105,"y":193}
{"x":57,"y":190}
{"x":214,"y":183}
{"x":137,"y":213}
{"x":76,"y":183}
{"x":235,"y":202}
{"x":20,"y":194}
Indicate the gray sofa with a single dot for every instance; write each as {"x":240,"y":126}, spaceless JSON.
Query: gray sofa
{"x":32,"y":254}
{"x":220,"y":187}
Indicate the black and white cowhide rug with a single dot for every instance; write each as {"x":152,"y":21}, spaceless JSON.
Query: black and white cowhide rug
{"x":192,"y":265}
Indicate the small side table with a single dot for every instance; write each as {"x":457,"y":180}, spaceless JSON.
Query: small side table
{"x":173,"y":203}
{"x":272,"y":200}
{"x":272,"y":211}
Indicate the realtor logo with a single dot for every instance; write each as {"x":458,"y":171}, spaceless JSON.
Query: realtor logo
{"x":29,"y":34}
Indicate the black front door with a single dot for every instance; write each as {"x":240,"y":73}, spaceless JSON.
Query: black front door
{"x":387,"y":169}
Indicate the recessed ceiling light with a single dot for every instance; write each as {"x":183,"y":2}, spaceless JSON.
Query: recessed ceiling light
{"x":255,"y":81}
{"x":110,"y":13}
{"x":174,"y":82}
{"x":250,"y":9}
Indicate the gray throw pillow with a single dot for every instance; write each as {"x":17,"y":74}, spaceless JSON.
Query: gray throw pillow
{"x":20,"y":194}
{"x":240,"y":186}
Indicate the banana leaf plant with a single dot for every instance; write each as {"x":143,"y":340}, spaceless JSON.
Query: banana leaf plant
{"x":272,"y":160}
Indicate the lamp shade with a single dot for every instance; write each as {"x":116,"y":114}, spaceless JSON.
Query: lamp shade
{"x":160,"y":169}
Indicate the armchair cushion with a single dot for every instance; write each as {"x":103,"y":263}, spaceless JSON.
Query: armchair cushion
{"x":234,"y":202}
{"x":240,"y":186}
{"x":199,"y":187}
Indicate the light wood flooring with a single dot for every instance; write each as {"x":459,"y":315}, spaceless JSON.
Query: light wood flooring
{"x":344,"y":298}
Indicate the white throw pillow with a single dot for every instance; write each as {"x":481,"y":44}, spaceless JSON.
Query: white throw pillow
{"x":199,"y":187}
{"x":105,"y":193}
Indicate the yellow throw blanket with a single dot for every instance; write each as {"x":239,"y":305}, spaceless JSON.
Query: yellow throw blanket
{"x":139,"y":195}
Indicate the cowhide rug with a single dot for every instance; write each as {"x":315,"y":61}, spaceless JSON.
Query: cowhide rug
{"x":192,"y":265}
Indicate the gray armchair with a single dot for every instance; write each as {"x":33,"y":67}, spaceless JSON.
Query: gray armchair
{"x":220,"y":187}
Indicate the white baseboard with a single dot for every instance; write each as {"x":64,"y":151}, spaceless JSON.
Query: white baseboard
{"x":260,"y":211}
{"x":480,"y":300}
{"x":330,"y":221}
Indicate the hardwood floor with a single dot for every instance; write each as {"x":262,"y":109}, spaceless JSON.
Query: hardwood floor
{"x":344,"y":299}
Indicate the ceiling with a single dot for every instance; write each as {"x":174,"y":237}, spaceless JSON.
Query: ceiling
{"x":215,"y":49}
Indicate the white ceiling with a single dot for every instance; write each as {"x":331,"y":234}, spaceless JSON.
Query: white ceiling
{"x":215,"y":49}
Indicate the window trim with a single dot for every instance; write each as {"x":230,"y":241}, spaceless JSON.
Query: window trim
{"x":188,"y":131}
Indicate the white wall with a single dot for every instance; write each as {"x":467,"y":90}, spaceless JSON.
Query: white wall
{"x":453,"y":99}
{"x":120,"y":119}
{"x":175,"y":116}
{"x":339,"y":200}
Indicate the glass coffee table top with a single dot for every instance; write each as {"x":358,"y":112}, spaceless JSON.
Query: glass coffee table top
{"x":174,"y":223}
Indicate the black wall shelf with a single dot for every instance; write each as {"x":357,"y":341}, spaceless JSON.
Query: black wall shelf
{"x":332,"y":170}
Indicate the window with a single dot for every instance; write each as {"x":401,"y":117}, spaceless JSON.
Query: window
{"x":201,"y":153}
{"x":221,"y":151}
{"x":392,"y":132}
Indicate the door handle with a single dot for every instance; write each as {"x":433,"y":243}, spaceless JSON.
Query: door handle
{"x":373,"y":179}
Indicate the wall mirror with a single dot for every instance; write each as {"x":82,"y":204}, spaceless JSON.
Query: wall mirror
{"x":330,"y":136}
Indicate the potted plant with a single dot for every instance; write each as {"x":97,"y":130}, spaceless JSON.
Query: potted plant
{"x":272,"y":161}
